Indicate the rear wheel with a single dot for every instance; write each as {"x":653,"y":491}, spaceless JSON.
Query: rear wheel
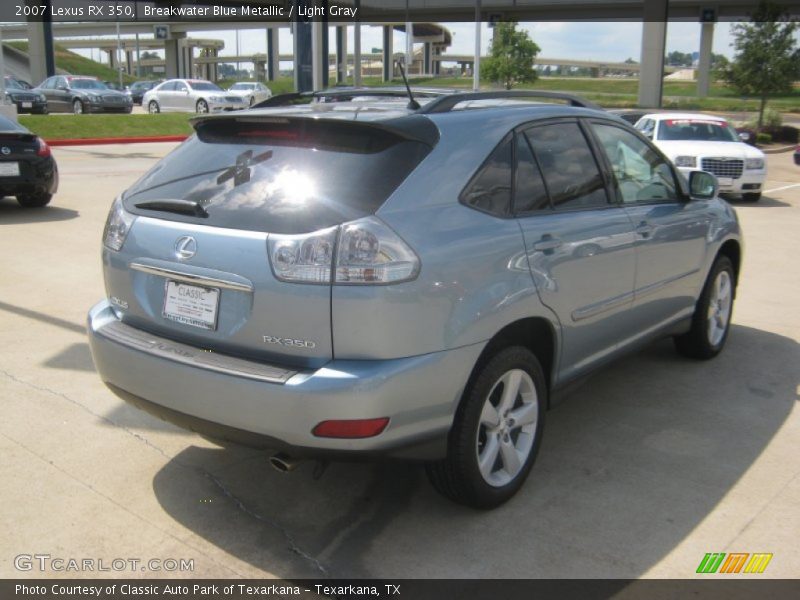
{"x":36,"y":200}
{"x":751,"y":197}
{"x":202,"y":106}
{"x":496,"y":433}
{"x":153,"y":107}
{"x":77,"y":107}
{"x":712,"y":314}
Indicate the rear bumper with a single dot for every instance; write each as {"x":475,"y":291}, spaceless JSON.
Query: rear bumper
{"x":37,"y":175}
{"x":419,"y":395}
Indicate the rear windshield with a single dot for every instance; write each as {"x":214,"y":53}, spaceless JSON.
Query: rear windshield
{"x":87,"y":84}
{"x":279,"y":176}
{"x":696,"y":130}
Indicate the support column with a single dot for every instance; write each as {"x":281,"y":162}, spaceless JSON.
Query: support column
{"x":409,"y":58}
{"x":273,"y":52}
{"x":704,"y":64}
{"x":654,"y":37}
{"x":388,"y":52}
{"x":129,"y":62}
{"x":426,"y":58}
{"x":214,"y":67}
{"x":318,"y":66}
{"x":437,"y":64}
{"x":357,"y":54}
{"x":40,"y":51}
{"x":325,"y":53}
{"x":341,"y":53}
{"x":303,"y":57}
{"x":112,"y":59}
{"x":173,"y":61}
{"x":476,"y":64}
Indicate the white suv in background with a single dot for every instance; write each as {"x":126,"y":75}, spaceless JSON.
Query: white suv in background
{"x":698,"y":142}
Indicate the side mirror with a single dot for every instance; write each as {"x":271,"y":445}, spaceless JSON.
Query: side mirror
{"x":702,"y":185}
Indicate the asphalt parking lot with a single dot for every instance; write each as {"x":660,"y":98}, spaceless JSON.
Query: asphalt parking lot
{"x":652,"y":463}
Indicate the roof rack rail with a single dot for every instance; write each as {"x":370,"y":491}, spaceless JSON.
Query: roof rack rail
{"x":448,"y":102}
{"x":293,"y":97}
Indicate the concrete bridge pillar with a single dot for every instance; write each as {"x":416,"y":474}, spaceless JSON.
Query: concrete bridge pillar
{"x":654,"y":37}
{"x":388,"y":53}
{"x":704,"y":65}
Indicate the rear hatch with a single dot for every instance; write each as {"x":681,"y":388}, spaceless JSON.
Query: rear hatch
{"x":204,"y":215}
{"x":16,"y":148}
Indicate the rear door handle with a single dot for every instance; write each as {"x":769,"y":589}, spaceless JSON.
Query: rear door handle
{"x":644,"y":229}
{"x":547,"y":243}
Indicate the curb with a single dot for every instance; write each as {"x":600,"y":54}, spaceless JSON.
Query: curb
{"x":779,"y":150}
{"x":121,"y":140}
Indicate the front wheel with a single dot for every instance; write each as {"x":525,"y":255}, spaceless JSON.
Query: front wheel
{"x":751,"y":197}
{"x":153,"y":108}
{"x":496,"y":433}
{"x":36,"y":200}
{"x":77,"y":107}
{"x":712,"y":315}
{"x":202,"y":106}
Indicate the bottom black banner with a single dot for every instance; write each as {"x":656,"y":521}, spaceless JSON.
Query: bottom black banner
{"x":407,"y":589}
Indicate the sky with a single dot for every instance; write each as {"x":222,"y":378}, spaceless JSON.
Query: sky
{"x":601,"y":41}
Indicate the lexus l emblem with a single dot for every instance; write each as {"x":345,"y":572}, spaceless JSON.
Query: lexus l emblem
{"x":185,"y":247}
{"x":5,"y":150}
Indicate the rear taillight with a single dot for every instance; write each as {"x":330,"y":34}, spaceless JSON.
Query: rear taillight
{"x":303,"y":258}
{"x":118,"y":224}
{"x":351,"y":428}
{"x":42,"y":149}
{"x":367,"y":253}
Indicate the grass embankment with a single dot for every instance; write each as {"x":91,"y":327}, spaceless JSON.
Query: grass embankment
{"x":76,"y":64}
{"x":56,"y":127}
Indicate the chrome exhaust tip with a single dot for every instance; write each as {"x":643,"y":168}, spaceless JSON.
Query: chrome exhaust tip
{"x":283,"y":463}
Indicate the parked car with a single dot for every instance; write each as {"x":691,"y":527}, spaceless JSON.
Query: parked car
{"x":251,"y":92}
{"x":704,"y":142}
{"x":797,"y":155}
{"x":27,"y":167}
{"x":190,"y":95}
{"x":136,"y":90}
{"x":26,"y":101}
{"x":354,"y":280}
{"x":79,"y":95}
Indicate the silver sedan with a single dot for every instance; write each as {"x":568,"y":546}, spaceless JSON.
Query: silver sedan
{"x":190,"y":95}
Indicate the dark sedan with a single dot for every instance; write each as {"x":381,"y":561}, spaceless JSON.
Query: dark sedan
{"x":26,"y":100}
{"x":79,"y":95}
{"x":27,"y":167}
{"x":137,"y":90}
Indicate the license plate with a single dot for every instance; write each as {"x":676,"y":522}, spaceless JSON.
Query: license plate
{"x":27,"y":105}
{"x":191,"y":304}
{"x":725,"y":181}
{"x":9,"y":169}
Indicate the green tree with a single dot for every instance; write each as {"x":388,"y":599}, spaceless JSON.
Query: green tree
{"x":767,"y":57}
{"x":513,"y":54}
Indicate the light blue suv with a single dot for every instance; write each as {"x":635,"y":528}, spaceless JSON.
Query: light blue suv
{"x":349,"y":279}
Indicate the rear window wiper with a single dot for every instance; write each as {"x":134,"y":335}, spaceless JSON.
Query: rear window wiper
{"x":183,"y":207}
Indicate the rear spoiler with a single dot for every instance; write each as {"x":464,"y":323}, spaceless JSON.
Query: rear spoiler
{"x":412,"y":127}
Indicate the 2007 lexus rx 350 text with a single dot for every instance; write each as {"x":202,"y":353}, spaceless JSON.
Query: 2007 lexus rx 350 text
{"x":371,"y":279}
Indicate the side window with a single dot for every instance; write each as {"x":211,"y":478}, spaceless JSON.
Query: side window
{"x":61,"y":82}
{"x":47,"y":84}
{"x":530,"y":193}
{"x":646,"y":126}
{"x":568,"y":166}
{"x":179,"y":86}
{"x":641,"y":174}
{"x":167,"y":87}
{"x":490,"y":189}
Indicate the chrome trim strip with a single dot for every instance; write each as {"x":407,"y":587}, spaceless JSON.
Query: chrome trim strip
{"x":128,"y":336}
{"x":595,"y":309}
{"x":196,"y":279}
{"x":654,"y":287}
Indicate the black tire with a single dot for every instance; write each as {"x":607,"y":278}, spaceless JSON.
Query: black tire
{"x":36,"y":200}
{"x":458,"y":476}
{"x":77,"y":107}
{"x":698,"y":342}
{"x":202,"y":106}
{"x":755,"y":197}
{"x":153,"y":107}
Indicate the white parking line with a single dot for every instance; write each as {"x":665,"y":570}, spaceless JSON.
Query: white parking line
{"x":785,"y":187}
